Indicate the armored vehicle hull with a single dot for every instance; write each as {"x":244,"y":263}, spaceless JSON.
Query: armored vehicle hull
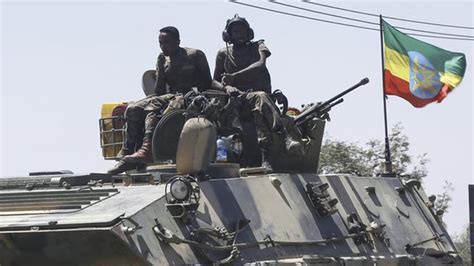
{"x":263,"y":218}
{"x":200,"y":212}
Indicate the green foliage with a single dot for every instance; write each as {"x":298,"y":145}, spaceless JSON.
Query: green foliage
{"x":444,"y":198}
{"x":342,"y":157}
{"x":463,"y":246}
{"x":351,"y":158}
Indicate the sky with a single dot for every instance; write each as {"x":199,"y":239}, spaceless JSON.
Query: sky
{"x":61,"y":60}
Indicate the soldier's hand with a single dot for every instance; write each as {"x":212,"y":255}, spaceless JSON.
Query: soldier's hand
{"x":228,"y":78}
{"x":161,"y":62}
{"x":232,"y":91}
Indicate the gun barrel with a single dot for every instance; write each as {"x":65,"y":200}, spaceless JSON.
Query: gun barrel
{"x":326,"y":106}
{"x":214,"y":93}
{"x":360,"y":83}
{"x":329,"y":106}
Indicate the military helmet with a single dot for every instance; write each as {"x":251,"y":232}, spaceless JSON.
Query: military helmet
{"x":236,"y":19}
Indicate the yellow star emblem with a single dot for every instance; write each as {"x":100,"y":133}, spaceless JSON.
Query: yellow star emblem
{"x":423,"y":79}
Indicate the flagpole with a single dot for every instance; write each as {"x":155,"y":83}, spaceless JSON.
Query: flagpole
{"x":387,"y":171}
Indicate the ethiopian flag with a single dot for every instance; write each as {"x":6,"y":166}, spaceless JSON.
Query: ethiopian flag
{"x":419,"y":72}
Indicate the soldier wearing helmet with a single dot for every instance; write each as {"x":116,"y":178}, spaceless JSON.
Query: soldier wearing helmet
{"x":242,"y":65}
{"x":241,"y":68}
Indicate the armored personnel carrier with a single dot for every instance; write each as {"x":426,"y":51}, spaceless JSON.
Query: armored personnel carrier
{"x":187,"y":209}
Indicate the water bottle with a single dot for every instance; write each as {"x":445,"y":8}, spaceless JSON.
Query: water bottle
{"x":221,"y":155}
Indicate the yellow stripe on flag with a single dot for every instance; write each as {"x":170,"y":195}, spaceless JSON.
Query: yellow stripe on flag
{"x":397,"y":64}
{"x":450,"y":79}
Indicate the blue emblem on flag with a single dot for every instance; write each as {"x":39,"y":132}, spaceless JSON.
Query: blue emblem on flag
{"x":424,"y":79}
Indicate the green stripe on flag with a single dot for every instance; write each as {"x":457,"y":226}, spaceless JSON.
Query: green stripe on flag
{"x":443,"y":61}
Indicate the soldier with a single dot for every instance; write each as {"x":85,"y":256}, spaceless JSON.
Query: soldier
{"x":178,"y":69}
{"x":241,"y":68}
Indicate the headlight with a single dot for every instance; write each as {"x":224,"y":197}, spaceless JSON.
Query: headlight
{"x":182,"y":195}
{"x":180,"y":189}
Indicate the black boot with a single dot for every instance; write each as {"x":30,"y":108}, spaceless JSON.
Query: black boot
{"x":143,"y":155}
{"x":121,"y":167}
{"x":266,"y":160}
{"x":128,"y":148}
{"x":292,"y":146}
{"x":124,"y":152}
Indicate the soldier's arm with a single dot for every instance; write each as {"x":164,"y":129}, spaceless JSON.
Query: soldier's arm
{"x":218,"y":71}
{"x":160,"y":84}
{"x":202,"y":66}
{"x":252,"y":69}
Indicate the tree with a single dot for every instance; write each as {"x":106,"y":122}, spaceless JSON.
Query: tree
{"x":463,"y":245}
{"x":351,"y":158}
{"x":342,"y":157}
{"x":444,"y":198}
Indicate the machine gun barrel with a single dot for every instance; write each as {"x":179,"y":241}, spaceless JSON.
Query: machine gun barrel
{"x":328,"y":107}
{"x":215,"y":93}
{"x":321,"y":109}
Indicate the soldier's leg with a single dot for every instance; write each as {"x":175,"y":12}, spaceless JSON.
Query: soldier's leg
{"x":264,"y":114}
{"x":145,"y":154}
{"x":135,"y":122}
{"x":152,"y":109}
{"x":134,"y":118}
{"x":265,"y":119}
{"x":268,"y":123}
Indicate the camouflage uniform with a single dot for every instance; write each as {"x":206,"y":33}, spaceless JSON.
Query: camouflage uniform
{"x":142,"y":117}
{"x":179,"y":74}
{"x":235,"y":60}
{"x":188,"y":69}
{"x":259,"y":103}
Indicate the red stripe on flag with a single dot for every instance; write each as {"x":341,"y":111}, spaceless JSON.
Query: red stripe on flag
{"x":399,"y":87}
